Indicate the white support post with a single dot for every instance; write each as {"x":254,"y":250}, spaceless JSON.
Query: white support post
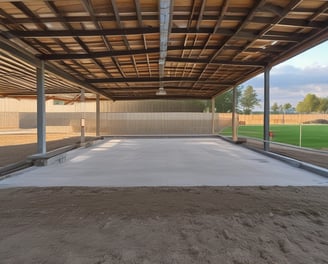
{"x":234,"y":115}
{"x":213,"y":115}
{"x":41,"y":110}
{"x":98,"y":115}
{"x":266,"y":125}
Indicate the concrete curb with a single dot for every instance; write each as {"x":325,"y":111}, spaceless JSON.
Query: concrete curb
{"x":161,"y":136}
{"x":11,"y":168}
{"x":59,"y":155}
{"x":55,"y":156}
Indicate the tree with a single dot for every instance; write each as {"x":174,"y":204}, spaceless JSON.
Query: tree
{"x":323,"y":105}
{"x":223,"y":102}
{"x":300,"y":107}
{"x":310,"y":104}
{"x":249,"y":100}
{"x":287,"y":107}
{"x":275,"y":108}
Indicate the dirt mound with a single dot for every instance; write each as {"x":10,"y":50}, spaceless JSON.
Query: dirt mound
{"x":317,"y":121}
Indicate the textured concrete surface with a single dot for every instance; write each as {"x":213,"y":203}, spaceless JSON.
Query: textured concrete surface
{"x":165,"y":162}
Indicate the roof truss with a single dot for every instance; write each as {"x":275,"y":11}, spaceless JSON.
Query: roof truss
{"x":123,"y":50}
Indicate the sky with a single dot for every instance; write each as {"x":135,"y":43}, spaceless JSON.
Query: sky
{"x":291,"y":80}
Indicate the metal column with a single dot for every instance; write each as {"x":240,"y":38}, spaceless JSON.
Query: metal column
{"x":82,"y":102}
{"x":41,"y":109}
{"x":234,"y":115}
{"x":266,"y":125}
{"x":213,"y":115}
{"x":98,"y":115}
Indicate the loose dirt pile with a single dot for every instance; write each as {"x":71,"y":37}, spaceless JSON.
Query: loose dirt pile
{"x":164,"y":225}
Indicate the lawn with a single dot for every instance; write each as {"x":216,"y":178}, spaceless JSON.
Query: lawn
{"x":313,"y":136}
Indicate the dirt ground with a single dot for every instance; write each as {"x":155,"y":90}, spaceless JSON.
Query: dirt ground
{"x":312,"y":157}
{"x":233,"y":225}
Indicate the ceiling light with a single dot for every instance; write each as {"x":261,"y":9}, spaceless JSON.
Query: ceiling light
{"x":161,"y":91}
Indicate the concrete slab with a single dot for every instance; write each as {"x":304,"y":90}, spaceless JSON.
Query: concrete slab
{"x":165,"y":162}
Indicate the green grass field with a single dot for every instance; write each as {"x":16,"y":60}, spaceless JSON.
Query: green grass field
{"x":313,"y":136}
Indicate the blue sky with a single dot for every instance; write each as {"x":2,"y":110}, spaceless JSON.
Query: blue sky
{"x":291,"y":80}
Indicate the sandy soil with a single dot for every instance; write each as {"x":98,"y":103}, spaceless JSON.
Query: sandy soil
{"x":237,"y":225}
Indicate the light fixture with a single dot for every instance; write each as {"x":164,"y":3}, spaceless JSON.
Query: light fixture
{"x":161,"y":91}
{"x":161,"y":61}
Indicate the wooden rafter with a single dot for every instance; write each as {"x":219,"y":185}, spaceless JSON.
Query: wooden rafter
{"x":113,"y":46}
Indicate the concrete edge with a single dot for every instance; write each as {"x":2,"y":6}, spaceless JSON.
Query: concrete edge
{"x":51,"y":157}
{"x":56,"y":156}
{"x":7,"y":170}
{"x":161,"y":136}
{"x":60,"y":155}
{"x":293,"y":162}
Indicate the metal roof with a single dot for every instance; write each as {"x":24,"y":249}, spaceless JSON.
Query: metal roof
{"x":132,"y":49}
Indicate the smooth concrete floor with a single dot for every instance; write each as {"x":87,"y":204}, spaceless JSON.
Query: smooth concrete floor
{"x":165,"y":162}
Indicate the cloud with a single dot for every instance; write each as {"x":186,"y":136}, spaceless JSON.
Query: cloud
{"x":290,"y":84}
{"x":290,"y":76}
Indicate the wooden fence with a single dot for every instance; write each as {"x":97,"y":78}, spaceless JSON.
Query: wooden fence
{"x":281,"y":119}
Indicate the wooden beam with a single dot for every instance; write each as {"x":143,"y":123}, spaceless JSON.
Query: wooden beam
{"x":221,"y":16}
{"x":156,"y":80}
{"x":169,"y":97}
{"x":117,"y":53}
{"x":31,"y":60}
{"x":218,"y":62}
{"x":51,"y":5}
{"x":291,"y":22}
{"x":80,"y":33}
{"x":107,"y":44}
{"x":118,"y":32}
{"x":148,"y":17}
{"x":201,"y":12}
{"x":137,"y":79}
{"x":150,"y":88}
{"x":245,"y":34}
{"x":126,"y":42}
{"x":239,"y":28}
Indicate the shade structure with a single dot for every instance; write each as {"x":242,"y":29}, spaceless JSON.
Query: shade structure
{"x":129,"y":49}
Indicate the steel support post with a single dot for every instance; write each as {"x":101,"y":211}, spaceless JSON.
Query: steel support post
{"x":82,"y":102}
{"x":234,"y":115}
{"x":98,"y":115}
{"x":266,"y":125}
{"x":213,"y":115}
{"x":41,"y":109}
